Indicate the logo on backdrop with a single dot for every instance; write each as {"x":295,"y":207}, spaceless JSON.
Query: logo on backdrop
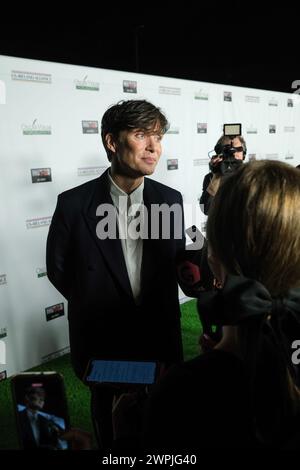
{"x":86,"y":84}
{"x":172,"y":164}
{"x":54,"y":311}
{"x":201,"y":95}
{"x":40,"y":175}
{"x":129,"y":86}
{"x":3,"y":374}
{"x":38,"y":222}
{"x":169,"y":90}
{"x":36,"y":128}
{"x":3,"y":332}
{"x":90,"y":127}
{"x":173,"y":130}
{"x":290,"y":103}
{"x":289,"y":129}
{"x":273,"y":102}
{"x":201,"y":127}
{"x":227,"y":96}
{"x":55,"y":354}
{"x":289,"y":156}
{"x":272,"y":129}
{"x":41,"y":272}
{"x":3,"y":279}
{"x":251,"y":130}
{"x":31,"y":76}
{"x":91,"y":170}
{"x":200,"y":161}
{"x":251,"y":157}
{"x":252,"y":99}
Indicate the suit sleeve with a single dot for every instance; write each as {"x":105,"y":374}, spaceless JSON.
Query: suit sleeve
{"x":205,"y":198}
{"x":58,"y":251}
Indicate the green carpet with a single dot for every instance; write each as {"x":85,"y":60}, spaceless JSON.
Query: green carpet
{"x":77,"y":393}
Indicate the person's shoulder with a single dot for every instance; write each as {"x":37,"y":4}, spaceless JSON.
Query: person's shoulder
{"x":163,"y":188}
{"x":207,"y":177}
{"x":217,"y":358}
{"x":79,"y":190}
{"x":215,"y":363}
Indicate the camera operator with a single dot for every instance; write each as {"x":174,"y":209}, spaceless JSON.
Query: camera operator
{"x":230,"y":152}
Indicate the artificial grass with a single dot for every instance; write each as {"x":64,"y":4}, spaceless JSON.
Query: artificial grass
{"x":78,"y":395}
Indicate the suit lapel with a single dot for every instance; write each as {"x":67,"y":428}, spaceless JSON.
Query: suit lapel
{"x":111,"y":249}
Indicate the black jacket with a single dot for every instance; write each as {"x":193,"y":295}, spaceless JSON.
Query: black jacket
{"x":104,"y":321}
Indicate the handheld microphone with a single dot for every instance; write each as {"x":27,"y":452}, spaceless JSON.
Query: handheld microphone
{"x":193,"y":271}
{"x":188,"y":266}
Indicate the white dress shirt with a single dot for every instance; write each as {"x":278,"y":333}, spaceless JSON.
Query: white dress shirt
{"x":130,"y":216}
{"x":34,"y":423}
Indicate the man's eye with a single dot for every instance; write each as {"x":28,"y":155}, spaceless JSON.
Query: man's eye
{"x":140,"y":135}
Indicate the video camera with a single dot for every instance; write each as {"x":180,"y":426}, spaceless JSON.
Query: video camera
{"x":226,"y":152}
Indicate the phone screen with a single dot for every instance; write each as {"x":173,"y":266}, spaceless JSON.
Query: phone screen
{"x":40,"y":409}
{"x":125,"y":372}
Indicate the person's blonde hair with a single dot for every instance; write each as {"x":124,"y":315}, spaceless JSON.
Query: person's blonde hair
{"x":254,"y":224}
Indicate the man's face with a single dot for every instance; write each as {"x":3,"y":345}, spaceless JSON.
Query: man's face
{"x":136,"y":152}
{"x":237,"y":143}
{"x":36,"y":401}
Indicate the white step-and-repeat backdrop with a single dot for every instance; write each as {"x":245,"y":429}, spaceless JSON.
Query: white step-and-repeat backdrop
{"x":50,"y":116}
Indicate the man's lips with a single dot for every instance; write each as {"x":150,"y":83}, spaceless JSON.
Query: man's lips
{"x":149,"y":160}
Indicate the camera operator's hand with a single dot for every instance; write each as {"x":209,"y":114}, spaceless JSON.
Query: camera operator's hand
{"x":214,"y":163}
{"x":213,"y":186}
{"x":215,"y":160}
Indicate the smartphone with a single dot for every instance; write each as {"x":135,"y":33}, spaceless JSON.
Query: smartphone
{"x":41,"y":410}
{"x":120,"y":373}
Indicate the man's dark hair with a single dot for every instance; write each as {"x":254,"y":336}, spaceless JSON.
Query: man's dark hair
{"x":34,"y":390}
{"x":132,"y":114}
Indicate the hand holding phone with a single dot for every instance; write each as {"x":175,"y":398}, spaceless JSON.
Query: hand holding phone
{"x":41,"y":410}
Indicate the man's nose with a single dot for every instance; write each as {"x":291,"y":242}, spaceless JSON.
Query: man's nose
{"x":152,"y":144}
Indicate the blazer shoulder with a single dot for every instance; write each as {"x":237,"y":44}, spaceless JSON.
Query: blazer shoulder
{"x":75,"y":199}
{"x":80,"y":190}
{"x":164,"y":189}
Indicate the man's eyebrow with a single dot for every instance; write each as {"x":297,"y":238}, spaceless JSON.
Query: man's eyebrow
{"x":148,"y":131}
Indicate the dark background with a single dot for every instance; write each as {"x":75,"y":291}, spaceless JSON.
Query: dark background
{"x":233,"y":43}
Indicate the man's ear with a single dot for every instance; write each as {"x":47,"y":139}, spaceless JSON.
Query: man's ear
{"x":111,"y":143}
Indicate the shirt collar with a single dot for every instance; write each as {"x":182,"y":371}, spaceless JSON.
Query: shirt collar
{"x":136,"y":197}
{"x":31,"y":415}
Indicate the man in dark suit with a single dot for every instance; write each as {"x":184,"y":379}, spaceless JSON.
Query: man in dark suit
{"x":113,"y":256}
{"x":37,"y":432}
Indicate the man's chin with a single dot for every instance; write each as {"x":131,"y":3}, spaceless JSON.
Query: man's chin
{"x":149,"y":172}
